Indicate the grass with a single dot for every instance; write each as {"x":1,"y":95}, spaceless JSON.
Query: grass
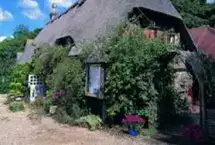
{"x":149,"y":132}
{"x":16,"y":106}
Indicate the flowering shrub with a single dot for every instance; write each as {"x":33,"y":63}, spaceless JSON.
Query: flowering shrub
{"x":194,"y":133}
{"x":134,"y":121}
{"x":58,"y":98}
{"x":57,"y":95}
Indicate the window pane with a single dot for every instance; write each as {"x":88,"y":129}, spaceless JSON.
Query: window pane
{"x":94,"y":79}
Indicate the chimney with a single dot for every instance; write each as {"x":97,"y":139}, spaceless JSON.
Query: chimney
{"x":53,"y":13}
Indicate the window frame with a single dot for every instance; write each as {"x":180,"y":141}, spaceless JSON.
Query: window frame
{"x":101,"y":83}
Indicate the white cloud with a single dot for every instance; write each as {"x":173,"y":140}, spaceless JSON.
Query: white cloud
{"x":2,"y":38}
{"x":5,"y":15}
{"x":33,"y":14}
{"x":210,"y":1}
{"x":31,"y":9}
{"x":29,"y":4}
{"x":61,"y":3}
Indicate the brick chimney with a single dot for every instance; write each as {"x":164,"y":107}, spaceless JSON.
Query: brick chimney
{"x":53,"y":13}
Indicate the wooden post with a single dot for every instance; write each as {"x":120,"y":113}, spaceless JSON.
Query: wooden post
{"x":103,"y":110}
{"x":203,"y":114}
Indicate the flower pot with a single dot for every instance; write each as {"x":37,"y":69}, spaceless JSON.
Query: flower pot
{"x":150,"y":33}
{"x":133,"y":132}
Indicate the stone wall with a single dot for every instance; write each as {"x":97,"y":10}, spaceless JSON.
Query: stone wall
{"x":184,"y":80}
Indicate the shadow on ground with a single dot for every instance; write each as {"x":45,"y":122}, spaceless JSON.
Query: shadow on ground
{"x":176,"y":138}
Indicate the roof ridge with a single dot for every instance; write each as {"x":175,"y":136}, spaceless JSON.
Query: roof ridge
{"x":211,"y":29}
{"x":77,"y":3}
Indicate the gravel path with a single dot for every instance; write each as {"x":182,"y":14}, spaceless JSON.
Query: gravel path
{"x":19,"y":129}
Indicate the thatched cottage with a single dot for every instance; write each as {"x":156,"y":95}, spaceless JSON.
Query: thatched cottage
{"x":95,"y":19}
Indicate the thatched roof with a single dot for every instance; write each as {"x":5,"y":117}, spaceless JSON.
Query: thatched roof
{"x":21,"y":56}
{"x":18,"y":56}
{"x":95,"y":18}
{"x":203,"y":38}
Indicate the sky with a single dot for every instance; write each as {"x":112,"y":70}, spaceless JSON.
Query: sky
{"x":32,"y":13}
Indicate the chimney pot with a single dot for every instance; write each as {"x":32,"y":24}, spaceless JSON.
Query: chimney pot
{"x":53,"y":13}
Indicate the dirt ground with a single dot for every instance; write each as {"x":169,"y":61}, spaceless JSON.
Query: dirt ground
{"x":20,"y":129}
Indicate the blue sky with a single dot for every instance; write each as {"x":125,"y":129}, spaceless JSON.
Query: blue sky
{"x":32,"y":13}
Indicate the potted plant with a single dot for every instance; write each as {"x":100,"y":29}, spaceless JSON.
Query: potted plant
{"x":134,"y":123}
{"x":151,"y":31}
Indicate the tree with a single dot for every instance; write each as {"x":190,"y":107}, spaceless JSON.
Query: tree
{"x":196,"y":12}
{"x":20,"y":30}
{"x":35,"y":32}
{"x":8,"y":51}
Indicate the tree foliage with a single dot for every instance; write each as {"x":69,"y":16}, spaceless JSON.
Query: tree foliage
{"x":20,"y":30}
{"x":18,"y":83}
{"x":8,"y":51}
{"x":196,"y":13}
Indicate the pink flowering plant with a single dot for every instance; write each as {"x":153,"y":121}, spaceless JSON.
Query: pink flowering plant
{"x":133,"y":121}
{"x":194,"y":133}
{"x":58,"y":97}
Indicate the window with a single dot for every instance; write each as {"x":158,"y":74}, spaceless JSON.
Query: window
{"x":65,"y":41}
{"x":94,"y":80}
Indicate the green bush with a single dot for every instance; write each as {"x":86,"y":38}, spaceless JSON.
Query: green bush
{"x":19,"y":76}
{"x":16,"y":106}
{"x":139,"y":75}
{"x":62,"y":73}
{"x":133,"y":61}
{"x":42,"y":103}
{"x":92,"y":121}
{"x":47,"y":103}
{"x":37,"y":103}
{"x":150,"y":132}
{"x":62,"y":116}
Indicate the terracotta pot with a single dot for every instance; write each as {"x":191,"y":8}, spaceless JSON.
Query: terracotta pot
{"x":147,"y":33}
{"x":150,"y":33}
